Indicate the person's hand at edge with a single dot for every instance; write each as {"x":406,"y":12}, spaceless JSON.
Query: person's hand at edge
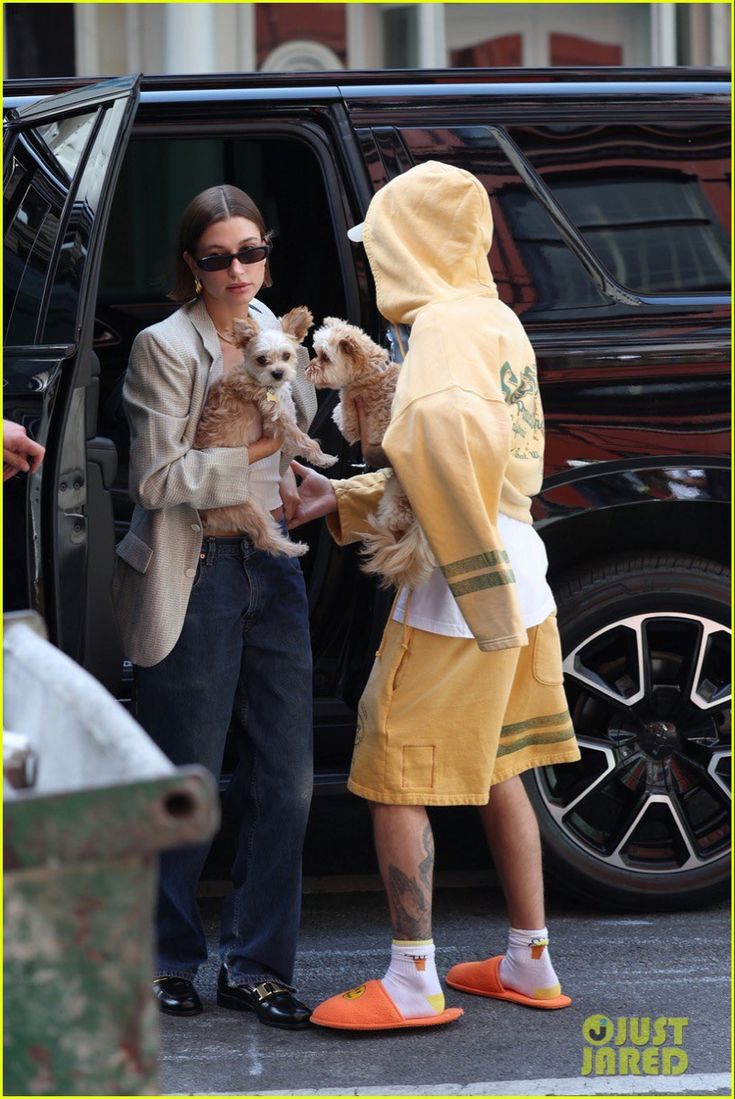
{"x":20,"y":454}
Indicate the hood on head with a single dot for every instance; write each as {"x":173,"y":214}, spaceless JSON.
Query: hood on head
{"x":427,"y":234}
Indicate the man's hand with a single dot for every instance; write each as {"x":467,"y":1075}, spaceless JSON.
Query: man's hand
{"x":20,"y":454}
{"x":372,"y":453}
{"x":316,"y":496}
{"x":289,"y":494}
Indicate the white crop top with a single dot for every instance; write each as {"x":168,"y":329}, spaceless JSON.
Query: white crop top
{"x":265,"y":478}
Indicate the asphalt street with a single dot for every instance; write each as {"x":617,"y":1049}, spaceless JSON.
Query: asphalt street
{"x":672,"y":965}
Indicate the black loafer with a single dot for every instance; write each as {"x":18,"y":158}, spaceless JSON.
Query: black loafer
{"x":177,"y":996}
{"x":271,"y":1001}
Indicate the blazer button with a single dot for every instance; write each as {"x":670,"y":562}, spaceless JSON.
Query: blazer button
{"x":196,"y":527}
{"x":190,"y":572}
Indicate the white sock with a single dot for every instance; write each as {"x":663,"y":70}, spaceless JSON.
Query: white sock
{"x":411,"y":980}
{"x":527,"y":966}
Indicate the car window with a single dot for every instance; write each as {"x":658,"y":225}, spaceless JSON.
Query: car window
{"x":66,"y":139}
{"x":61,"y":314}
{"x":36,"y":184}
{"x":30,"y":239}
{"x":159,"y":176}
{"x":651,"y":200}
{"x":534,"y":269}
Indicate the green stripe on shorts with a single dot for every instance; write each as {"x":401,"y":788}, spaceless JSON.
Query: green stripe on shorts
{"x":534,"y":740}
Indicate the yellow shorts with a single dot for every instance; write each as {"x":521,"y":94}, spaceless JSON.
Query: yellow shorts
{"x":440,"y":722}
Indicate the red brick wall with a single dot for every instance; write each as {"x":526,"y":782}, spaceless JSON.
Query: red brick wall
{"x":279,"y":23}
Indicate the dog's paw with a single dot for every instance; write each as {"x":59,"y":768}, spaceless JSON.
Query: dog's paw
{"x":324,"y":461}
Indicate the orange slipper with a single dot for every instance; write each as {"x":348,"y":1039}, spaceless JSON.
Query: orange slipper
{"x":369,"y":1007}
{"x":483,"y":979}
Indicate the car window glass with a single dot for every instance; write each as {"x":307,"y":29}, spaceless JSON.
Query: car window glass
{"x":66,"y":138}
{"x":61,"y":316}
{"x":36,"y":185}
{"x":30,"y":238}
{"x":652,"y":201}
{"x":533,"y":267}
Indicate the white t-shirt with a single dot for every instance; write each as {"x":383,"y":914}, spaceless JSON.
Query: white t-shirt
{"x":433,"y":607}
{"x":265,"y":480}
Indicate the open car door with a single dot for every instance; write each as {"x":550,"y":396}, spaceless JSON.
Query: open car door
{"x":62,"y":155}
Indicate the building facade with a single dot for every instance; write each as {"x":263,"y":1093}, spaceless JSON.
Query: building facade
{"x":109,"y":39}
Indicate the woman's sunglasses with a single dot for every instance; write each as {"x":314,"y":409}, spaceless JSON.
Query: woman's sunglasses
{"x":222,"y":260}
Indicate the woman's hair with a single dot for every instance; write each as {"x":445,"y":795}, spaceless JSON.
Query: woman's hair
{"x":210,"y":206}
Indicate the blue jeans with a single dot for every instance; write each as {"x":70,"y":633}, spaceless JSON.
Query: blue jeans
{"x":244,"y":656}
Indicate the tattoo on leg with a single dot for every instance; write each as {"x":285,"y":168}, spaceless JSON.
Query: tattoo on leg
{"x":409,"y":899}
{"x":410,"y":906}
{"x":426,"y":866}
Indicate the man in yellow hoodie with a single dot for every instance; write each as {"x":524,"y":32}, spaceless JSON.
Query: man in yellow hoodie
{"x":466,"y":691}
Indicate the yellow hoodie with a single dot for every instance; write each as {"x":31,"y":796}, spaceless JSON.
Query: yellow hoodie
{"x":466,"y":436}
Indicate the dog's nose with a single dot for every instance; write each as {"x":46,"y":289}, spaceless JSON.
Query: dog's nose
{"x":277,"y":375}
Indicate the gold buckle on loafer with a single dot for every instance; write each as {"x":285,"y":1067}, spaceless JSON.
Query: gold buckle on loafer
{"x":266,"y":989}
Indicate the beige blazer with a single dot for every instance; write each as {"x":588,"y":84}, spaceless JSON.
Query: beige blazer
{"x":172,"y":364}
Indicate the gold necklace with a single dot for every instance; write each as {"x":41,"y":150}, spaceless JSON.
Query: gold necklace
{"x":222,"y":336}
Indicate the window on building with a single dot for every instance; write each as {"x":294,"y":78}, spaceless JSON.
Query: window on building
{"x":39,"y":40}
{"x":400,"y":37}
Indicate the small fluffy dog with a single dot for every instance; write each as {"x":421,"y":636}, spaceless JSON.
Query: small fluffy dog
{"x":253,"y":400}
{"x":346,"y":358}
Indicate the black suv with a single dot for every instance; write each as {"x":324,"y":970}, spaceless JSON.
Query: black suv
{"x":610,"y":192}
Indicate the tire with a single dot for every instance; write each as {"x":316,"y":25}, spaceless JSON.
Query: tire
{"x":643,"y":820}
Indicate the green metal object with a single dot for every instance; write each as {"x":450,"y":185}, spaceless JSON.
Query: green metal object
{"x":80,"y":881}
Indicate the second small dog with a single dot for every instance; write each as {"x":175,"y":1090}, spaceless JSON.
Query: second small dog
{"x":345,"y":358}
{"x":253,"y":400}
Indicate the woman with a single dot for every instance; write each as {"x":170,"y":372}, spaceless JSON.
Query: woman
{"x":216,"y":629}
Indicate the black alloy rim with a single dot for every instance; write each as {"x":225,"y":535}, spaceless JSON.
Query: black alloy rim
{"x":649,"y":696}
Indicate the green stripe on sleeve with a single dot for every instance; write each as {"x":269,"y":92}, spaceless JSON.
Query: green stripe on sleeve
{"x":470,"y":564}
{"x":535,"y":723}
{"x":484,"y":580}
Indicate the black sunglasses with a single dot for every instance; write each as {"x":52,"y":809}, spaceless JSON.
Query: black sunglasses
{"x":222,"y":260}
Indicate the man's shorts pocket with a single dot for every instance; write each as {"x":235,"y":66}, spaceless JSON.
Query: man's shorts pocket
{"x":547,"y":661}
{"x":417,"y":771}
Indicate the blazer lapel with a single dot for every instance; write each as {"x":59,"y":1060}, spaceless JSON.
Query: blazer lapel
{"x":200,"y":318}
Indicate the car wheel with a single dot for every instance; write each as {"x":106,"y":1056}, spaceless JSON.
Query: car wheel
{"x":643,"y":819}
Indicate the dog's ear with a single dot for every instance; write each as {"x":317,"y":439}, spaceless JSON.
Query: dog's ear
{"x":297,"y":322}
{"x":244,"y":332}
{"x":349,"y":346}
